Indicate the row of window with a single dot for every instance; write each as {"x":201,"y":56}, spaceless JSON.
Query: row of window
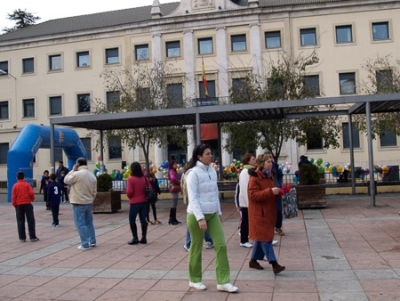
{"x":273,"y":39}
{"x":55,"y":61}
{"x":387,"y":139}
{"x":347,"y":85}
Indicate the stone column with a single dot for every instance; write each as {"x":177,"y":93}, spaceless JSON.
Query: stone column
{"x":190,"y":83}
{"x":223,"y":83}
{"x":256,"y":49}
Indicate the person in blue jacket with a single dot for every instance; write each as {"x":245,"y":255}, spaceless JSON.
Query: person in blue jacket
{"x":54,"y":192}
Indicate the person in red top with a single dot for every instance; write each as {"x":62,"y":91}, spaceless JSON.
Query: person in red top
{"x":136,"y":192}
{"x":22,"y":198}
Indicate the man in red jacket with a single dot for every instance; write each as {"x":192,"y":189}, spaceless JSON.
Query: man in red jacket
{"x":22,"y":198}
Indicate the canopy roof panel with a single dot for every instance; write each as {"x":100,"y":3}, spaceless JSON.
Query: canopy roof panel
{"x":233,"y":112}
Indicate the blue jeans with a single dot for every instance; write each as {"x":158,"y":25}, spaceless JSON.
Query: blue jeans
{"x":135,"y":209}
{"x":261,"y":249}
{"x":83,"y":218}
{"x":207,"y":238}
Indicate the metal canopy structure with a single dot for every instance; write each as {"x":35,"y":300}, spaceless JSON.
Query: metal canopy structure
{"x":233,"y":112}
{"x":345,"y":105}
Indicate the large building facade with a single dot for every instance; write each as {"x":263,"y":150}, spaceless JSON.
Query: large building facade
{"x":53,"y":68}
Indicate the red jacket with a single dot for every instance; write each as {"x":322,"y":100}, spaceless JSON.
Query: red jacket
{"x":22,"y":193}
{"x":262,"y":207}
{"x":136,"y":190}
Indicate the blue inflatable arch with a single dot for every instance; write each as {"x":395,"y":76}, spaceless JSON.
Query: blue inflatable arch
{"x":32,"y":137}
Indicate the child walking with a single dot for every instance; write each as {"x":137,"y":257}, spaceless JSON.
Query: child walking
{"x":54,"y":192}
{"x":22,"y":198}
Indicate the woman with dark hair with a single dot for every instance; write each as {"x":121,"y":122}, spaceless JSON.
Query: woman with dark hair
{"x":174,"y":189}
{"x":262,"y":194}
{"x":249,"y":162}
{"x":136,"y":192}
{"x":204,"y":212}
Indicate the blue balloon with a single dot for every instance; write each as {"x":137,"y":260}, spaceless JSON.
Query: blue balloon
{"x":296,"y":173}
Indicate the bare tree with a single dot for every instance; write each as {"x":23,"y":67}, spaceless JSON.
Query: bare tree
{"x":147,"y":87}
{"x":383,"y":78}
{"x":286,"y":80}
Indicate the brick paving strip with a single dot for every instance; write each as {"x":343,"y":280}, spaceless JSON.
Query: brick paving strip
{"x":347,"y":251}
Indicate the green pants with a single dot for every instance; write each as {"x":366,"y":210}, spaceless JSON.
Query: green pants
{"x":214,"y":228}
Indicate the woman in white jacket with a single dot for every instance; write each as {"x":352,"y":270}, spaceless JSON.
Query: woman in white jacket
{"x":203,"y":215}
{"x":249,"y":161}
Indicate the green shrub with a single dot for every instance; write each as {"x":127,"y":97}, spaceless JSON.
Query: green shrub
{"x":308,"y":174}
{"x":104,"y":182}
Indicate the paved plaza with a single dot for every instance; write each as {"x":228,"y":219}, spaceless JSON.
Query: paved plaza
{"x":347,"y":251}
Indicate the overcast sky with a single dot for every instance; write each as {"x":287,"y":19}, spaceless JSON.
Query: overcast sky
{"x":48,"y":10}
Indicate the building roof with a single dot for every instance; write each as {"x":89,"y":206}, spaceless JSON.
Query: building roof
{"x":112,"y":19}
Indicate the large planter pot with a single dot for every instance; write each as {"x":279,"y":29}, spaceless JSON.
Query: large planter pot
{"x":311,"y":196}
{"x":107,"y":202}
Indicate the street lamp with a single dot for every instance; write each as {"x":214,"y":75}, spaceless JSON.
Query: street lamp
{"x":2,"y":72}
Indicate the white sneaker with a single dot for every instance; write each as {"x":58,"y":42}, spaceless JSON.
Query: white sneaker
{"x":209,"y":245}
{"x":197,"y":285}
{"x":186,"y":248}
{"x":227,"y":287}
{"x":274,"y":242}
{"x":246,"y":245}
{"x":82,"y":248}
{"x":92,"y":245}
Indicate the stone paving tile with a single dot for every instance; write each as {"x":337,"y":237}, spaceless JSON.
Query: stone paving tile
{"x":347,"y":251}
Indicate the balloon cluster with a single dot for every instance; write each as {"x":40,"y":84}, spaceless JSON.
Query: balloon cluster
{"x":285,"y":168}
{"x":164,"y":169}
{"x":383,"y":171}
{"x":100,"y":167}
{"x":231,"y":172}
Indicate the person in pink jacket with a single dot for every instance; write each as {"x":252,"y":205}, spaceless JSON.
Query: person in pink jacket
{"x":136,"y":192}
{"x":175,"y":189}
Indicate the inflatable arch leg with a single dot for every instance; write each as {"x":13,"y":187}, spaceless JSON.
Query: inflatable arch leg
{"x":32,"y":137}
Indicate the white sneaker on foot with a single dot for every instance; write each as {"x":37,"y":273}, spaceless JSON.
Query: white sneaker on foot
{"x":82,"y":248}
{"x":246,"y":245}
{"x":186,"y":248}
{"x":197,"y":285}
{"x":227,"y":287}
{"x":274,"y":242}
{"x":209,"y":245}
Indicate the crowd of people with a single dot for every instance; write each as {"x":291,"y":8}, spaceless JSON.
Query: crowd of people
{"x":257,"y":196}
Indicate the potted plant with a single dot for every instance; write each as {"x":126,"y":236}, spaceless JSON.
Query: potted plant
{"x":310,"y":191}
{"x":106,"y":200}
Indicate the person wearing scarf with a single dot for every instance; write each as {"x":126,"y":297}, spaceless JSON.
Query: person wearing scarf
{"x":262,"y":194}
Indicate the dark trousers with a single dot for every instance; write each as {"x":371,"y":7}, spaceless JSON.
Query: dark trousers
{"x":65,"y":196}
{"x":55,"y":209}
{"x":278,"y":223}
{"x":244,"y":225}
{"x":46,"y":199}
{"x":21,"y":211}
{"x":153,"y":207}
